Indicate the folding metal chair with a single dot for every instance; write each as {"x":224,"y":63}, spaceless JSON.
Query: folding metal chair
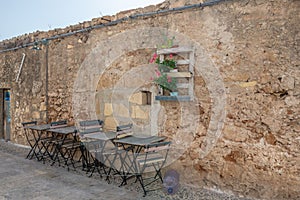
{"x":112,"y":159}
{"x":69,"y":150}
{"x":96,"y":149}
{"x":147,"y":165}
{"x":31,"y":138}
{"x":91,"y":124}
{"x":51,"y":141}
{"x":86,"y":127}
{"x":122,"y":132}
{"x":109,"y":157}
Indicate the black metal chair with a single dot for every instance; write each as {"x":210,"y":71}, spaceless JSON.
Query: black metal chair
{"x":147,"y":165}
{"x":122,"y":132}
{"x":86,"y":127}
{"x":110,"y":158}
{"x":70,"y":150}
{"x":100,"y":152}
{"x":31,"y":139}
{"x":113,"y":159}
{"x":121,"y":162}
{"x":50,"y":142}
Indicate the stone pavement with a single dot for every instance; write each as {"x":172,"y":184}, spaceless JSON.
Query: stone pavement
{"x":23,"y":179}
{"x":28,"y":179}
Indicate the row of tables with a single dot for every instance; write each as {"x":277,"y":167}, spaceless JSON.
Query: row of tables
{"x":135,"y":140}
{"x":40,"y":151}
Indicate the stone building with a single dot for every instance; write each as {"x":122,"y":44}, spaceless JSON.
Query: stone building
{"x":240,"y":131}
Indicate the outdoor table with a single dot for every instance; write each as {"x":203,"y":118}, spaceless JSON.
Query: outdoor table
{"x":139,"y":141}
{"x":61,"y":134}
{"x":102,"y":136}
{"x":36,"y":149}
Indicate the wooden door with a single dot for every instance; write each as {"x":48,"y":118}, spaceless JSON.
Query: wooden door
{"x":7,"y":117}
{"x":1,"y":113}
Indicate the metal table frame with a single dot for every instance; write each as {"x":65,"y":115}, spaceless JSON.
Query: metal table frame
{"x":36,"y":149}
{"x":92,"y":138}
{"x":61,"y":134}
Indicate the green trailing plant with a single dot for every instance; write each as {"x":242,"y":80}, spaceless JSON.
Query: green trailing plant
{"x":165,"y":82}
{"x":168,"y":63}
{"x":162,"y":79}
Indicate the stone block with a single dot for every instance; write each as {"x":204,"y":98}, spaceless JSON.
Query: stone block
{"x":108,"y":109}
{"x":36,"y":115}
{"x":236,"y":134}
{"x":98,"y":105}
{"x":139,"y":113}
{"x":120,"y":110}
{"x":110,"y":123}
{"x":43,"y":106}
{"x":139,"y":98}
{"x":27,"y":110}
{"x":248,"y":84}
{"x":239,"y":76}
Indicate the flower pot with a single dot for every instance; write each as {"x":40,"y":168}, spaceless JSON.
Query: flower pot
{"x":173,"y":94}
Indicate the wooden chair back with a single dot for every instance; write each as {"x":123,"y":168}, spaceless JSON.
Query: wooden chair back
{"x":124,"y":131}
{"x":59,"y":124}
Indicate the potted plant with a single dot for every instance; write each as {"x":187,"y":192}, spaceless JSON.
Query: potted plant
{"x":166,"y":82}
{"x":166,"y":65}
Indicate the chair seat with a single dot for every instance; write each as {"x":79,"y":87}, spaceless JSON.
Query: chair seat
{"x":47,"y":139}
{"x":150,"y":159}
{"x":63,"y":142}
{"x":71,"y":145}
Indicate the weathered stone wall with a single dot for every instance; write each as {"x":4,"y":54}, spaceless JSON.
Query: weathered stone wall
{"x":240,"y":135}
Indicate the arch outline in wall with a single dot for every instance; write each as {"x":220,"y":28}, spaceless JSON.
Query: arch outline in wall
{"x":106,"y":51}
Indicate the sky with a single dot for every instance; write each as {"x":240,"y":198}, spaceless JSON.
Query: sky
{"x":18,"y":17}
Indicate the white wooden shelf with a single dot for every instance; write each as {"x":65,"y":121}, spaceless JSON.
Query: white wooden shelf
{"x":180,"y":74}
{"x":187,"y":55}
{"x":174,"y":50}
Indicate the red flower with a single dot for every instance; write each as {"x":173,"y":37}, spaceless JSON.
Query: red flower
{"x":157,"y":72}
{"x":169,"y":79}
{"x":153,"y":58}
{"x":171,"y":56}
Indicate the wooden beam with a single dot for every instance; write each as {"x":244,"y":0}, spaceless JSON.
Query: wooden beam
{"x":180,"y":74}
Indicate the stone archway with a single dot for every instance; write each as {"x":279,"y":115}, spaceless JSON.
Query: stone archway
{"x":104,"y":54}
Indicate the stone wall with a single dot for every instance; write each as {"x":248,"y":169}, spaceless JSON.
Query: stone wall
{"x":240,"y":134}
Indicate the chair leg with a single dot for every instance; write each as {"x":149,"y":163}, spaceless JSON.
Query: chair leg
{"x":158,"y":172}
{"x":86,"y":159}
{"x":93,"y":169}
{"x":139,"y":177}
{"x":69,"y":156}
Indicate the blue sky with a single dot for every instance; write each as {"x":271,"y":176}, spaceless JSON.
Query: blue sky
{"x":18,"y":17}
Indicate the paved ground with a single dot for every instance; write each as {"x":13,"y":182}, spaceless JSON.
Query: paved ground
{"x":28,"y":179}
{"x":22,"y":179}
